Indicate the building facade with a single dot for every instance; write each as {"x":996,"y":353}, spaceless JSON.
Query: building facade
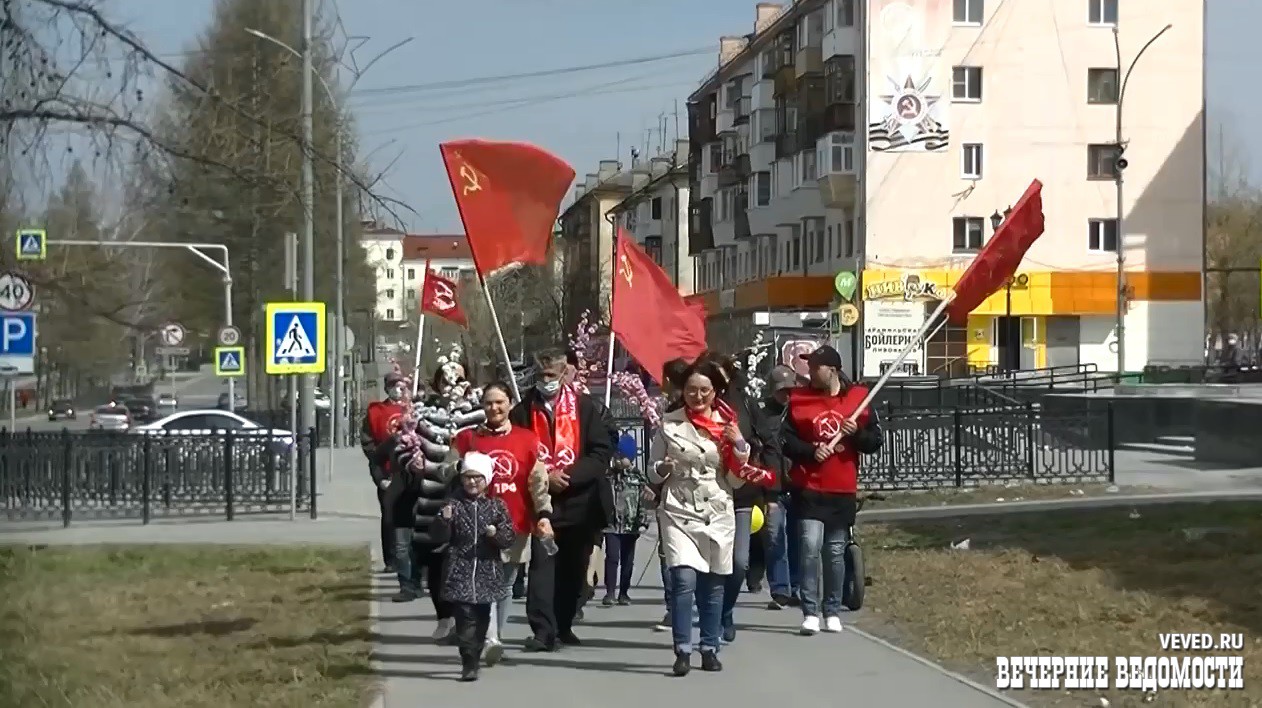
{"x":398,"y":262}
{"x":887,"y":138}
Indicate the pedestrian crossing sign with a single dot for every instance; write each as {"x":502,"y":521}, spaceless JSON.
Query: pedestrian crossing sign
{"x":295,"y":338}
{"x":229,"y":361}
{"x":32,"y":244}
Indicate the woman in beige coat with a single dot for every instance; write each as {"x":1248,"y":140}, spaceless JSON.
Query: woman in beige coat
{"x":697,"y":455}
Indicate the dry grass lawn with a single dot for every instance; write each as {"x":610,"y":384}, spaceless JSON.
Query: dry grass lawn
{"x":999,"y":493}
{"x":1099,"y":583}
{"x":187,"y":626}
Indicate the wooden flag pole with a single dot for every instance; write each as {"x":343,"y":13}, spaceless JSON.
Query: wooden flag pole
{"x":499,"y":336}
{"x":612,"y":340}
{"x":420,"y":333}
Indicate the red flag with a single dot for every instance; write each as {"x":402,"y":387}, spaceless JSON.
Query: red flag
{"x":438,"y":297}
{"x":509,"y":196}
{"x":999,"y":259}
{"x":650,"y":318}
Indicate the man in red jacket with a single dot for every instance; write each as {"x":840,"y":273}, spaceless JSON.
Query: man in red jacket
{"x":825,"y":479}
{"x":381,"y":421}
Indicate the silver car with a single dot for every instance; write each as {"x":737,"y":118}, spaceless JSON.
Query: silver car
{"x":110,"y":418}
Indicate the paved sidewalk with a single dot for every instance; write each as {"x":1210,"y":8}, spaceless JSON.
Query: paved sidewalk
{"x":624,"y":663}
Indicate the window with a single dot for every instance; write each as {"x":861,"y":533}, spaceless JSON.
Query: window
{"x":389,"y":254}
{"x":390,"y":293}
{"x":762,"y":189}
{"x":837,"y":154}
{"x":966,"y":83}
{"x":1102,"y":12}
{"x":848,"y":249}
{"x":1102,"y":235}
{"x":1102,"y":86}
{"x":1102,"y":161}
{"x":451,"y":273}
{"x":845,"y":13}
{"x":811,"y":30}
{"x":411,"y":274}
{"x":808,"y":166}
{"x":390,"y":273}
{"x":968,"y":12}
{"x":656,"y":208}
{"x":971,"y":161}
{"x":969,"y":233}
{"x":389,"y":313}
{"x":840,"y":79}
{"x":766,"y":125}
{"x":411,"y":294}
{"x":795,"y":257}
{"x":821,"y":245}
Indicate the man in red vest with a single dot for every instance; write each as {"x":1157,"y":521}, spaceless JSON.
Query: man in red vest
{"x":825,"y":479}
{"x":381,"y":421}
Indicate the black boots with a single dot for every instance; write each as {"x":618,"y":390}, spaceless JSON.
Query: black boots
{"x":683,"y":663}
{"x":469,"y":666}
{"x":710,"y":661}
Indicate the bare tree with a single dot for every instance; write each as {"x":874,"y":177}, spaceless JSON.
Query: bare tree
{"x":1233,"y":243}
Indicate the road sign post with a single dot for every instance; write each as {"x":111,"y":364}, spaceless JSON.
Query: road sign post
{"x":229,"y":362}
{"x":16,"y":292}
{"x":31,"y":244}
{"x":17,"y":341}
{"x":296,"y":338}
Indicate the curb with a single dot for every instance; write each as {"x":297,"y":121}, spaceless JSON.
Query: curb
{"x":954,"y":676}
{"x":997,"y":508}
{"x":374,"y":614}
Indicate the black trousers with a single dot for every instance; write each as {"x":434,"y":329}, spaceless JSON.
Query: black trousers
{"x":433,"y":563}
{"x":387,"y":531}
{"x":556,"y":583}
{"x":472,"y":622}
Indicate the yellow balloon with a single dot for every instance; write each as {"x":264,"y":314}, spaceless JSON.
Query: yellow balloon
{"x":756,"y":520}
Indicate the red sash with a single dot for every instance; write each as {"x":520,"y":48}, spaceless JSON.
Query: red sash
{"x":558,"y":450}
{"x":817,"y":418}
{"x":727,"y":451}
{"x":514,"y":455}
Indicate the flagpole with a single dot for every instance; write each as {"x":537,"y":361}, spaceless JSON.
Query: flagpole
{"x":420,"y":333}
{"x":499,"y":336}
{"x":609,"y":369}
{"x":613,"y":221}
{"x":902,"y":356}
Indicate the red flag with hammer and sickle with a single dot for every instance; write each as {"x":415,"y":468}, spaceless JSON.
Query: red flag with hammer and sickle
{"x":438,"y":297}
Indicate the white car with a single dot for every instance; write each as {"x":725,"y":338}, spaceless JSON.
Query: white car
{"x":211,"y":421}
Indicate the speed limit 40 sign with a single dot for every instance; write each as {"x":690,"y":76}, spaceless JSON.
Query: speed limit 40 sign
{"x":16,"y":292}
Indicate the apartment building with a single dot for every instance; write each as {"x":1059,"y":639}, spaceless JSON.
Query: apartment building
{"x":656,"y":213}
{"x":398,"y":262}
{"x":585,"y":244}
{"x":887,"y":138}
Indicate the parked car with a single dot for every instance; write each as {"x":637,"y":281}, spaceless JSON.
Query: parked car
{"x":110,"y":418}
{"x":167,"y":402}
{"x":322,"y":400}
{"x":143,"y":408}
{"x":211,"y":422}
{"x":61,"y":409}
{"x":195,"y":440}
{"x":238,"y":405}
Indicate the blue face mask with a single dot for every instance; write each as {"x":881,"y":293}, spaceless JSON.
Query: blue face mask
{"x":548,"y":388}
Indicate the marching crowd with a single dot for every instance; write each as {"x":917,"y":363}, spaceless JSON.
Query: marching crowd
{"x":480,"y":495}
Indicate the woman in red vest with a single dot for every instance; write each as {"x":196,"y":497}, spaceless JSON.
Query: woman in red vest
{"x":521,"y":480}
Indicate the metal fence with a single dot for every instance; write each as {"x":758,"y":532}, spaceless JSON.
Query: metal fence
{"x":126,"y":475}
{"x":960,"y":447}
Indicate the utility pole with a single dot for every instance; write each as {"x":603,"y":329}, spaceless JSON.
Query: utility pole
{"x":307,"y":396}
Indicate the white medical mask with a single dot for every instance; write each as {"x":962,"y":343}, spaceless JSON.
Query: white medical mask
{"x":395,"y":393}
{"x":548,"y":388}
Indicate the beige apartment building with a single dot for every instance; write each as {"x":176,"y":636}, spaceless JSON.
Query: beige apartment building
{"x":886,"y":138}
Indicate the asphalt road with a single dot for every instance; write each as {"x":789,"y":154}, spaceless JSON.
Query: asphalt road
{"x":194,"y":391}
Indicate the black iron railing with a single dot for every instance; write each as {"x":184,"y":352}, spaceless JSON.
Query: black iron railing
{"x":125,"y":475}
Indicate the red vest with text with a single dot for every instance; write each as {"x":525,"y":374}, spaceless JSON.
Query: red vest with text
{"x":384,"y":419}
{"x":817,"y":418}
{"x":515,"y":454}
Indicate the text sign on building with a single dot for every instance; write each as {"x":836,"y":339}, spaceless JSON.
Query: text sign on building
{"x":888,"y":327}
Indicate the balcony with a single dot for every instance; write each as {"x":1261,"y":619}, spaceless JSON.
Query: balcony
{"x":809,"y":61}
{"x":809,"y":129}
{"x":836,"y":162}
{"x":701,"y":233}
{"x":742,"y":110}
{"x":741,"y":228}
{"x":786,"y":145}
{"x":741,"y":165}
{"x":728,"y":176}
{"x":840,"y":117}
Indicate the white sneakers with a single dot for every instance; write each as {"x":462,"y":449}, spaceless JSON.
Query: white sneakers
{"x":493,"y":653}
{"x":444,"y":629}
{"x":811,"y":625}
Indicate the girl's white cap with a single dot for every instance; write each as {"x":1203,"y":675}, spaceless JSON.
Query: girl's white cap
{"x":477,"y":463}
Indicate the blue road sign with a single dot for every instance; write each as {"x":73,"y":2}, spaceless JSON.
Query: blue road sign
{"x":32,"y":244}
{"x":229,"y":361}
{"x":17,"y":341}
{"x":295,"y":338}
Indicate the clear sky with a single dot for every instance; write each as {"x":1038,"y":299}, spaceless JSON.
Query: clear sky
{"x":583,"y":116}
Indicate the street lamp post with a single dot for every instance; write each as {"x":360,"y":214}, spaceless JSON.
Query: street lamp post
{"x":336,"y":416}
{"x":1119,"y":166}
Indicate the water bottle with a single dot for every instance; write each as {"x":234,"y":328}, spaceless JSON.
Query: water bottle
{"x":549,"y":545}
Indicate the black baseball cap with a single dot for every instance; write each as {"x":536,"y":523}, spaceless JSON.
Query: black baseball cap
{"x":825,"y":355}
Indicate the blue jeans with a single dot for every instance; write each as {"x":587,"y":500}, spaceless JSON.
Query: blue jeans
{"x":780,"y":576}
{"x":828,"y":541}
{"x":403,"y":563}
{"x":688,"y":585}
{"x":792,"y":544}
{"x":740,"y":565}
{"x":501,"y":608}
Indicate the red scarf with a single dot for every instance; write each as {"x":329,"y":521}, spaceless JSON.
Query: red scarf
{"x":732,"y":464}
{"x":558,"y":450}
